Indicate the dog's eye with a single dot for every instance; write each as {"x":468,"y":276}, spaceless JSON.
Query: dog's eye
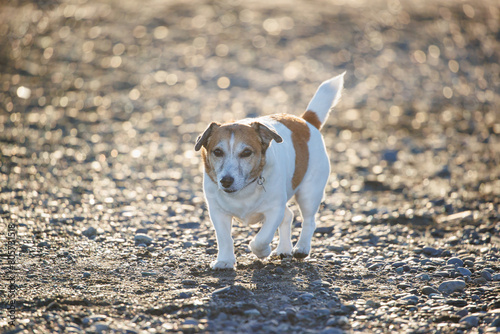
{"x":218,"y":152}
{"x":246,"y":153}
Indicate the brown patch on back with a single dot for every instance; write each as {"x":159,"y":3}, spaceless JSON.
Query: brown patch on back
{"x":242,"y":133}
{"x":300,"y":138}
{"x":312,"y":118}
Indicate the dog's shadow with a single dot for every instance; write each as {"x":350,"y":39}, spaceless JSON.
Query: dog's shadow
{"x":263,"y":288}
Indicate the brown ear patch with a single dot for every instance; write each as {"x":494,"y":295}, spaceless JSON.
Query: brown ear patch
{"x":300,"y":138}
{"x":312,"y":118}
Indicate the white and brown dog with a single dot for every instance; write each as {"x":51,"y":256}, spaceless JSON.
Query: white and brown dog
{"x":251,"y":180}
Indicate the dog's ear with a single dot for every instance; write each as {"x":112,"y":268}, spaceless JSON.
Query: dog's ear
{"x":266,"y":134}
{"x":203,"y":138}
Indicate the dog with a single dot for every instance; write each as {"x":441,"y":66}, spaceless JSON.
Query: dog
{"x":249,"y":177}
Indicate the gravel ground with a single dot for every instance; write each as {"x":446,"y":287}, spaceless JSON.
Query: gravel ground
{"x":100,"y":187}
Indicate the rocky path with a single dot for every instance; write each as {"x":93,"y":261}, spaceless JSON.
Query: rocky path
{"x":100,"y":187}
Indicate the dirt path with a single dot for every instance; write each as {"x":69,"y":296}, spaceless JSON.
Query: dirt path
{"x":100,"y":188}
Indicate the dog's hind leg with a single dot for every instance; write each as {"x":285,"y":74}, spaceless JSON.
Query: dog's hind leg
{"x":309,"y":199}
{"x":284,"y":248}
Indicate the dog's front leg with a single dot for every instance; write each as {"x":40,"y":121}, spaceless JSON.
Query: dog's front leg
{"x":225,"y":255}
{"x":260,"y":245}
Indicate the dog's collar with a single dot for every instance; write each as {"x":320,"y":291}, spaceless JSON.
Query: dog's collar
{"x":260,"y":181}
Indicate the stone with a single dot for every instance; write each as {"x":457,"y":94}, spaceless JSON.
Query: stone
{"x":26,"y":247}
{"x":455,"y":261}
{"x":427,"y":290}
{"x":448,"y":287}
{"x":90,"y":232}
{"x":141,"y":238}
{"x":376,"y":266}
{"x":456,"y":302}
{"x":486,"y":275}
{"x":252,"y":312}
{"x":496,"y":322}
{"x":184,"y":295}
{"x":306,"y":297}
{"x":431,"y":251}
{"x":372,"y":304}
{"x":332,"y":331}
{"x":469,"y":263}
{"x":338,"y":321}
{"x":100,"y":327}
{"x":43,"y":244}
{"x":424,"y":277}
{"x":222,"y":290}
{"x":188,"y":282}
{"x":464,"y":271}
{"x":470,"y":320}
{"x":398,"y":264}
{"x":411,"y":299}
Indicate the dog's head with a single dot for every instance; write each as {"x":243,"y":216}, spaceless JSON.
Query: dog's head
{"x":234,"y":154}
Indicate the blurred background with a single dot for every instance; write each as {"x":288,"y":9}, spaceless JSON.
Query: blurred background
{"x":99,"y":100}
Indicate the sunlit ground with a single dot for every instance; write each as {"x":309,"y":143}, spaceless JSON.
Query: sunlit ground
{"x":101,"y":102}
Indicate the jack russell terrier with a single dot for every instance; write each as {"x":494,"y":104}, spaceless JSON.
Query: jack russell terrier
{"x":249,"y":179}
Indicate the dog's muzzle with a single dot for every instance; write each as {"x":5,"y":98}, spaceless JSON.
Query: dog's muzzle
{"x":226,"y":182}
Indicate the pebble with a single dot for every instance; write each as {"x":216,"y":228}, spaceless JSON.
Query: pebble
{"x":336,"y":248}
{"x":142,"y":239}
{"x":470,"y":320}
{"x":376,"y":266}
{"x":427,"y":290}
{"x":222,"y":290}
{"x":43,"y":244}
{"x":398,"y":264}
{"x":99,"y":327}
{"x":25,"y":247}
{"x":189,"y":282}
{"x":348,"y":308}
{"x":338,"y":321}
{"x":86,"y":274}
{"x":495,"y":277}
{"x":90,"y":232}
{"x":448,"y":287}
{"x":306,"y":297}
{"x":456,"y":302}
{"x":486,"y":275}
{"x":464,"y":271}
{"x":372,"y":304}
{"x":411,"y":299}
{"x":480,"y":281}
{"x":469,"y":263}
{"x":403,"y":286}
{"x":252,"y":312}
{"x":184,"y":295}
{"x":495,"y":323}
{"x":424,"y":277}
{"x":431,"y":251}
{"x":332,"y":331}
{"x":455,"y":261}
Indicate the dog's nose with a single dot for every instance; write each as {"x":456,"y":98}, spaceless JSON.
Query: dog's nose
{"x":227,"y":181}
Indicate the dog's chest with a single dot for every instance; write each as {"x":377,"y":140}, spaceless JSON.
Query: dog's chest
{"x":252,"y":218}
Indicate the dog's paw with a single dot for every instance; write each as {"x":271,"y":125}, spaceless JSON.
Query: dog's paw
{"x":260,"y":252}
{"x":221,"y":265}
{"x":281,"y":255}
{"x":300,"y":253}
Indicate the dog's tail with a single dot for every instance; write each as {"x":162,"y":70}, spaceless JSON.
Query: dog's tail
{"x":326,"y":97}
